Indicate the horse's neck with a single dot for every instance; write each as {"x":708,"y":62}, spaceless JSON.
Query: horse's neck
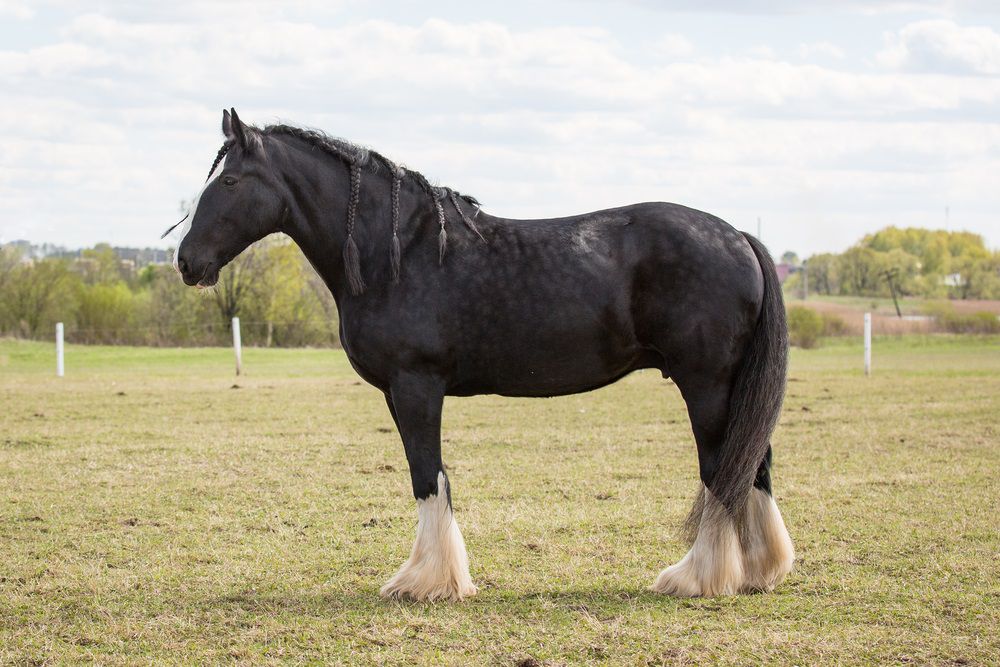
{"x":318,"y":191}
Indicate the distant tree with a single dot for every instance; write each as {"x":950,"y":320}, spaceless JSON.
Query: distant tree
{"x":904,"y":267}
{"x":805,"y":326}
{"x":236,"y":284}
{"x":175,"y":314}
{"x":271,"y":286}
{"x":296,"y":307}
{"x":10,"y":259}
{"x":859,"y":271}
{"x":790,"y":258}
{"x":966,"y":243}
{"x":823,"y":274}
{"x":919,"y":260}
{"x":101,"y":265}
{"x":105,"y":313}
{"x":38,"y":295}
{"x":979,"y":275}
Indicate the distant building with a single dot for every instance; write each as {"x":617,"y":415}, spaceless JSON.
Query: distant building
{"x":784,"y":270}
{"x":136,"y":258}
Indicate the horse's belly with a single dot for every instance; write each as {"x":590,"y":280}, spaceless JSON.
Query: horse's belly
{"x":561,"y":325}
{"x":537,"y":361}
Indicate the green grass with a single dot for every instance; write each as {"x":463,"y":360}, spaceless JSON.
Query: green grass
{"x":151,"y":513}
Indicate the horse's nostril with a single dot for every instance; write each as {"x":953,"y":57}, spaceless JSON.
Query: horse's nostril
{"x":182,"y":265}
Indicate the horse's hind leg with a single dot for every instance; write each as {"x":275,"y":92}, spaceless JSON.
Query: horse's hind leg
{"x":731,"y":551}
{"x":767,"y":548}
{"x":714,"y":564}
{"x":438,"y":568}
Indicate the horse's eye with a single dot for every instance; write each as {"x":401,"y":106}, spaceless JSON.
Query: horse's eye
{"x":229,"y":181}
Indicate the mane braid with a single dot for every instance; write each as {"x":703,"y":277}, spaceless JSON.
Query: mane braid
{"x":468,"y":221}
{"x":442,"y":235}
{"x":352,"y":259}
{"x":395,"y":254}
{"x":358,"y":157}
{"x":218,"y":158}
{"x":352,"y":153}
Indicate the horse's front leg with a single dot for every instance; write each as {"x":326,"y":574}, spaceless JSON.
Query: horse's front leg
{"x":437,"y":568}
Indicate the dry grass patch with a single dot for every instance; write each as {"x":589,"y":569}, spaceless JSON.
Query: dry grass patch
{"x":150,"y":513}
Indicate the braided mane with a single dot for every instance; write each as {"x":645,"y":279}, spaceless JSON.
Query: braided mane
{"x":353,"y":153}
{"x":358,"y":158}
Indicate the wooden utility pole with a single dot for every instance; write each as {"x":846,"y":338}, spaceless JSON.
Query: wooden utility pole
{"x":890,"y":275}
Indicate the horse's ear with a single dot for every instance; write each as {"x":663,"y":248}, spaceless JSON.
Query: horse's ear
{"x":233,"y":128}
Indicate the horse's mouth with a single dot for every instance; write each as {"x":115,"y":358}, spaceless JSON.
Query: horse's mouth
{"x":210,"y":278}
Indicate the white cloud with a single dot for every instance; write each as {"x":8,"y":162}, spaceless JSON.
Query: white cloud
{"x":762,"y":52}
{"x":673,"y":46}
{"x":823,"y":50}
{"x":121,"y":116}
{"x":822,"y":6}
{"x":16,"y":9}
{"x":943,"y":46}
{"x":55,"y":60}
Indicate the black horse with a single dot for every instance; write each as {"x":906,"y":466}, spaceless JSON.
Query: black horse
{"x":439,"y":298}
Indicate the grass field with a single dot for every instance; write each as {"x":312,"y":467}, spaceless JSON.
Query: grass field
{"x":156,"y":510}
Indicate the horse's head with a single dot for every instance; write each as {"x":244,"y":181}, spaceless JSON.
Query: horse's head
{"x":240,"y":203}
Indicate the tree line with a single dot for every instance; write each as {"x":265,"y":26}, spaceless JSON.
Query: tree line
{"x":933,"y":264}
{"x":281,"y":301}
{"x":271,"y":287}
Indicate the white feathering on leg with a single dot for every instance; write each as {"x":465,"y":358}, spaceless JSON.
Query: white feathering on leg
{"x":718,"y":564}
{"x":438,"y":567}
{"x":768,"y":553}
{"x":714,"y":564}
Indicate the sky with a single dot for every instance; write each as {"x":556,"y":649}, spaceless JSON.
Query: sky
{"x":823,"y":119}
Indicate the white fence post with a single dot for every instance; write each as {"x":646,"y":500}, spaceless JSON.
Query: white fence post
{"x":60,"y":367}
{"x":868,"y":344}
{"x":237,"y":345}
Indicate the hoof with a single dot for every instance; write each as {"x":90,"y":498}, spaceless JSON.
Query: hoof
{"x":714,"y":565}
{"x":720,"y":564}
{"x":703,"y":575}
{"x":677,"y":581}
{"x":418,"y":591}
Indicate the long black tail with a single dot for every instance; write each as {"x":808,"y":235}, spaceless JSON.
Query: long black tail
{"x":755,"y":402}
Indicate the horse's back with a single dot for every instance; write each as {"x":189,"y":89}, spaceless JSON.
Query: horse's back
{"x":655,"y":247}
{"x":569,"y":304}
